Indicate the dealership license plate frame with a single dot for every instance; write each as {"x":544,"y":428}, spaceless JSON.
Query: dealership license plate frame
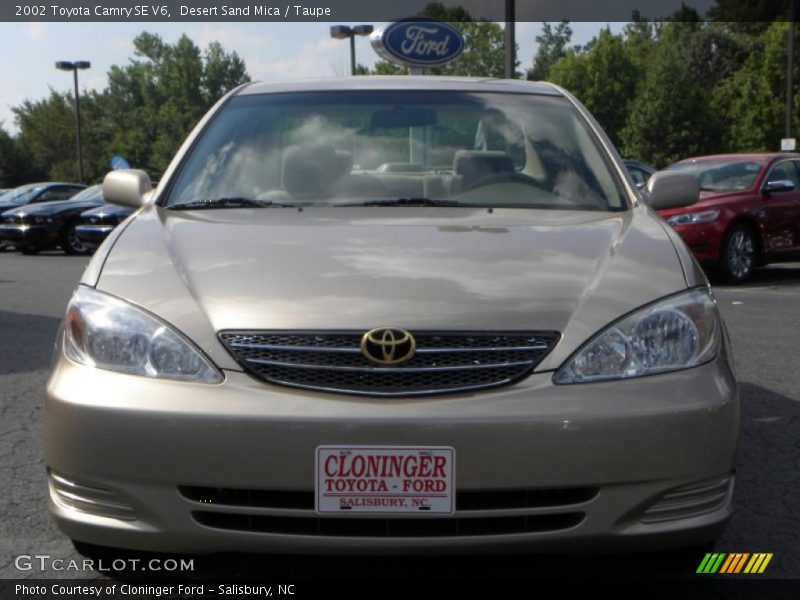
{"x":418,"y":504}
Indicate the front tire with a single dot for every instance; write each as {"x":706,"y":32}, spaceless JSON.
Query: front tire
{"x":72,"y":244}
{"x":29,"y":250}
{"x":739,"y":255}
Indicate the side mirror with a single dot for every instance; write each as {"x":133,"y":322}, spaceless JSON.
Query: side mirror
{"x":669,"y":189}
{"x":779,"y":185}
{"x":127,"y":187}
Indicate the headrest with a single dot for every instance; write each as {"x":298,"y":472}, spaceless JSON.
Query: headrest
{"x":313,"y":170}
{"x":473,"y":165}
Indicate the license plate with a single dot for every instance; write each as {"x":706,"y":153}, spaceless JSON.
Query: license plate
{"x":391,"y":479}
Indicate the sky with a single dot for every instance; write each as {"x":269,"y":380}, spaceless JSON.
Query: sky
{"x":272,"y":51}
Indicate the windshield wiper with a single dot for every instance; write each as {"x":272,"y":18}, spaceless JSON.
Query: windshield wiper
{"x":407,"y":202}
{"x":232,"y":202}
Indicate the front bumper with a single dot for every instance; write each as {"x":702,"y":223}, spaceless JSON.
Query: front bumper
{"x":704,"y":239}
{"x":94,"y":234}
{"x":634,"y":442}
{"x":17,"y":234}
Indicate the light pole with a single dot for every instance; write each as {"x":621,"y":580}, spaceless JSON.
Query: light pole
{"x":342,"y":32}
{"x":790,"y":69}
{"x":75,"y":66}
{"x":510,"y":39}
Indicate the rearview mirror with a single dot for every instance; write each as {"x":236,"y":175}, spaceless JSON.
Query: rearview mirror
{"x":403,"y":117}
{"x":668,"y":189}
{"x":779,"y":185}
{"x":127,"y":187}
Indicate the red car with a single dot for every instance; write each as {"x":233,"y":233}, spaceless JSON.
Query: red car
{"x":748,"y":214}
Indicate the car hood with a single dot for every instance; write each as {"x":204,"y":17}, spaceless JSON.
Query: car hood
{"x":108,"y":210}
{"x":52,"y":208}
{"x":416,"y":268}
{"x":708,"y":200}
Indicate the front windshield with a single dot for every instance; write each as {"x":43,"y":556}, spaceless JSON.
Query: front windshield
{"x":721,"y":175}
{"x":365,"y":147}
{"x":19,"y":196}
{"x":90,"y":194}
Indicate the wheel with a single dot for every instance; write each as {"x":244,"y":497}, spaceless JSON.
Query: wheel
{"x":72,"y":244}
{"x":29,"y":250}
{"x":738,"y":257}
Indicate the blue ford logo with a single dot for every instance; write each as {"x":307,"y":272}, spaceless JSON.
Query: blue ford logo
{"x":418,"y":42}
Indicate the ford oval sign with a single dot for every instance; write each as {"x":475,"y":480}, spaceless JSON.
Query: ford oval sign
{"x":418,"y":43}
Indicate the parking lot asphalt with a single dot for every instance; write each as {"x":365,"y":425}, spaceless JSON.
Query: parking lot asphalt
{"x":764,"y":323}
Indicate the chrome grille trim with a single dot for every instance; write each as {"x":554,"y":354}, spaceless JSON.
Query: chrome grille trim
{"x":444,"y":361}
{"x":294,"y":348}
{"x":276,"y":363}
{"x":478,"y":512}
{"x":358,"y":350}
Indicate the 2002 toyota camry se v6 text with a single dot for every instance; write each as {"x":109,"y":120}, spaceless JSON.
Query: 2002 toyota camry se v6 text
{"x":393,"y":315}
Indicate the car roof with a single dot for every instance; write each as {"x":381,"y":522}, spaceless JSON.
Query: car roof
{"x":402,"y":82}
{"x":760,"y":156}
{"x":29,"y":186}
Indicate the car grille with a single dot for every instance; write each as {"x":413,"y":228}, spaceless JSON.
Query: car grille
{"x":473,"y":513}
{"x":430,"y":527}
{"x":444,"y":361}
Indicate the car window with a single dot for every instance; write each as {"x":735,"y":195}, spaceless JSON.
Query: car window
{"x":55,"y":193}
{"x":723,"y":175}
{"x":637,"y":175}
{"x":90,"y":194}
{"x":784,"y":170}
{"x":335,"y":148}
{"x":20,"y":195}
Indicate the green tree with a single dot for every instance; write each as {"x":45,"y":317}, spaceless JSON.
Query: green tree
{"x":552,"y":47}
{"x":751,"y":17}
{"x":752,"y":98}
{"x":148,"y":108}
{"x":641,"y":37}
{"x":671,"y":117}
{"x":163,"y":92}
{"x":15,"y":165}
{"x":47,"y":136}
{"x":484,"y":52}
{"x":604,"y":78}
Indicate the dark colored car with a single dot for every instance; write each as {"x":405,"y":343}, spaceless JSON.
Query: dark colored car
{"x":51,"y":225}
{"x":95,"y":224}
{"x":33,"y":193}
{"x":748,"y":214}
{"x":640,"y":172}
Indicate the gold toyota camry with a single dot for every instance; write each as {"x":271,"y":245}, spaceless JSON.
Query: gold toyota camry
{"x":393,"y":315}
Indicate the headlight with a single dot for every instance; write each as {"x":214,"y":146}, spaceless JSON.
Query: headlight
{"x":678,"y":332}
{"x":694,"y":217}
{"x":105,"y":332}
